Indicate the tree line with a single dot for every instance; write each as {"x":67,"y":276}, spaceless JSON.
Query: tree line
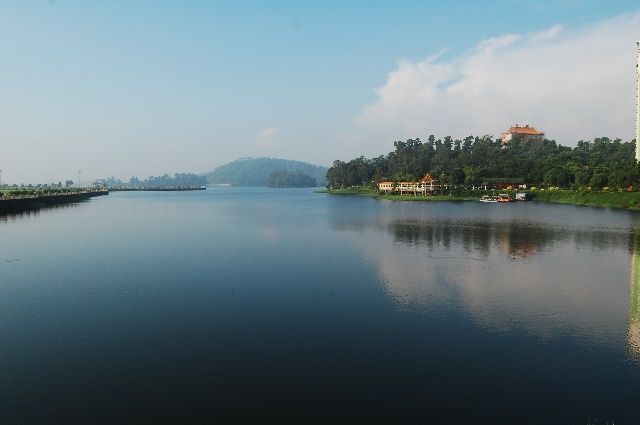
{"x":178,"y":179}
{"x":475,"y":160}
{"x":290,"y":178}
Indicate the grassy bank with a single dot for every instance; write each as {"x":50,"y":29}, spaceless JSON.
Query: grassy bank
{"x":453,"y":195}
{"x":356,"y":190}
{"x":625,"y":200}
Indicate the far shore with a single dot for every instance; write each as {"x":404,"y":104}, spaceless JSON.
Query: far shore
{"x":606,"y":199}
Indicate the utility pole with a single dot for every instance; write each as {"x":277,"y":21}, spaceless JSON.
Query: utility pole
{"x":0,"y":177}
{"x":638,"y":103}
{"x":79,"y":171}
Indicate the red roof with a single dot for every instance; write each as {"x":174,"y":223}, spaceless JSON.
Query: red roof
{"x":516,"y":129}
{"x":428,"y":178}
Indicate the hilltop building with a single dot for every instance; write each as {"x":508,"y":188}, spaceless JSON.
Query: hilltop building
{"x":526,"y":132}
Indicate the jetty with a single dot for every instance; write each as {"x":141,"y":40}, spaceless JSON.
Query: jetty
{"x":19,"y":200}
{"x":156,"y":188}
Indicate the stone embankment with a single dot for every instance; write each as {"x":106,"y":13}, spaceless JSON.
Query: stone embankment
{"x":156,"y":188}
{"x":24,"y":201}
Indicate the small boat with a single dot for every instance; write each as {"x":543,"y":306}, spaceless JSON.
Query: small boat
{"x":504,"y":197}
{"x":522,"y":196}
{"x":488,"y":198}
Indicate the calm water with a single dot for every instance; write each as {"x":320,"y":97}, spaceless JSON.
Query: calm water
{"x":247,"y":305}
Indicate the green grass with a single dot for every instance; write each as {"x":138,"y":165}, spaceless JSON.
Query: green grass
{"x":626,"y":200}
{"x":611,"y":199}
{"x":453,"y":195}
{"x":449,"y":197}
{"x":356,"y":190}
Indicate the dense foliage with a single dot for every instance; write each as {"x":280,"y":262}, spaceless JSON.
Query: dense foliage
{"x":290,"y":178}
{"x":475,"y":160}
{"x":256,"y":171}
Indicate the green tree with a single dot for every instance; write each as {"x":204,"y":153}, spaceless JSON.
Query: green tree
{"x":598,"y":180}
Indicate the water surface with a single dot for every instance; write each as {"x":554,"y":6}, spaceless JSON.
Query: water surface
{"x":250,"y":304}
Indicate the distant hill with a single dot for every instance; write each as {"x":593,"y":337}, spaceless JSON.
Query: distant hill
{"x":256,"y":171}
{"x":286,"y":178}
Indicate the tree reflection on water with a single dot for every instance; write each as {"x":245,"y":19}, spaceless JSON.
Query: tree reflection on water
{"x":633,"y":335}
{"x":507,"y":273}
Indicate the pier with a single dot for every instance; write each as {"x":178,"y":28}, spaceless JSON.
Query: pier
{"x":10,"y":202}
{"x":157,"y":188}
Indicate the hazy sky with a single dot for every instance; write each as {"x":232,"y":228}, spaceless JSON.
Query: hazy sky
{"x":144,"y":88}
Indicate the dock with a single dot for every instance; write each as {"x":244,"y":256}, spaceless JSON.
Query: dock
{"x":37,"y":199}
{"x":157,"y":188}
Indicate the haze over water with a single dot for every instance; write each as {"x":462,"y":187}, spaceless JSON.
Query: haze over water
{"x":238,"y":304}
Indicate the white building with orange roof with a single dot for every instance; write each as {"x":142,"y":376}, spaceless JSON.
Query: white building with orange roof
{"x":424,"y":186}
{"x":526,"y":131}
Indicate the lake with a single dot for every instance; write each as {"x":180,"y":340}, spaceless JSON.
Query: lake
{"x":248,"y":305}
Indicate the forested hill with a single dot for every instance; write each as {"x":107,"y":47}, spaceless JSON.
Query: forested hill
{"x":256,"y":171}
{"x":286,"y":178}
{"x":591,"y":164}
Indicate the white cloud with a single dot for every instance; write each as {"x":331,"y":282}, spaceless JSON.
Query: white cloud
{"x":504,"y":295}
{"x":546,"y":35}
{"x":493,"y":44}
{"x":267,"y":138}
{"x":276,"y":142}
{"x":573,"y":85}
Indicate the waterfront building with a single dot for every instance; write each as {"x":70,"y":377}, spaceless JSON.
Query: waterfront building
{"x":426,"y":185}
{"x":385,"y":186}
{"x":526,"y":132}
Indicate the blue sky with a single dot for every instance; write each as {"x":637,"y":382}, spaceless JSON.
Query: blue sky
{"x":147,"y":87}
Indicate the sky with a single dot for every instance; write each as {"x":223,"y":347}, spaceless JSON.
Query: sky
{"x":120,"y":88}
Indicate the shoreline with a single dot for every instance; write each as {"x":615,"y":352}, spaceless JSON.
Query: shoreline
{"x":619,"y":200}
{"x":157,"y":188}
{"x":33,"y":201}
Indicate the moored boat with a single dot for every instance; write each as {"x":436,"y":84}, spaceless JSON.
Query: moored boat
{"x":488,"y":198}
{"x":505,"y":197}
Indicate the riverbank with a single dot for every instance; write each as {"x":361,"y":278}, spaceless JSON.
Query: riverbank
{"x":363,"y":191}
{"x":623,"y":200}
{"x":23,"y":200}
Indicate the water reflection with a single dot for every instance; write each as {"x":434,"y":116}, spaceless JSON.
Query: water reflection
{"x":506,"y":273}
{"x":33,"y":210}
{"x":513,"y":238}
{"x":633,"y":336}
